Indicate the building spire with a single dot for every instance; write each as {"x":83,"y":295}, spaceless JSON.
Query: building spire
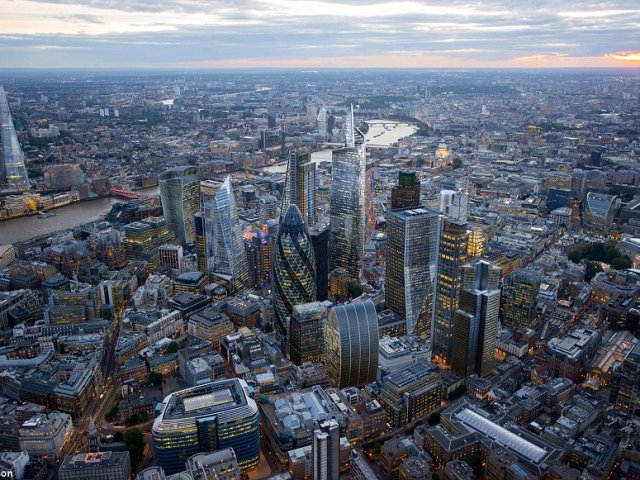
{"x":350,"y":134}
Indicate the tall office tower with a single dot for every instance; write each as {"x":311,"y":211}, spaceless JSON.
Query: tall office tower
{"x":226,"y":257}
{"x":326,"y":451}
{"x":476,"y":321}
{"x":207,"y":418}
{"x":346,"y":238}
{"x":322,"y":122}
{"x":520,"y":296}
{"x":300,"y":186}
{"x":180,"y":196}
{"x":294,"y":271}
{"x":306,"y":333}
{"x":320,"y":240}
{"x":258,"y":247}
{"x":452,"y":254}
{"x":267,"y":208}
{"x":625,"y":391}
{"x":599,"y":211}
{"x":143,"y":239}
{"x":476,"y":243}
{"x":13,"y":173}
{"x":454,"y":204}
{"x":407,"y":193}
{"x":411,"y":261}
{"x":201,"y":250}
{"x":351,"y":338}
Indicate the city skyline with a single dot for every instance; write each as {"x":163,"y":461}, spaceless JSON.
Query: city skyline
{"x":293,"y":34}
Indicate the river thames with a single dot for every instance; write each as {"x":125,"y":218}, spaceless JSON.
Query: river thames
{"x":381,"y":132}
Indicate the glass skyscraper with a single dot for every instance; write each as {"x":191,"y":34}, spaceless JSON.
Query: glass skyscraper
{"x":351,"y":339}
{"x":599,"y":210}
{"x":13,"y":173}
{"x":294,"y":271}
{"x":306,"y":333}
{"x":300,"y":186}
{"x":452,"y":255}
{"x":180,"y":196}
{"x":226,"y":256}
{"x":476,"y":321}
{"x":207,"y":418}
{"x":520,"y":295}
{"x":407,"y":193}
{"x":411,"y":261}
{"x":347,"y":231}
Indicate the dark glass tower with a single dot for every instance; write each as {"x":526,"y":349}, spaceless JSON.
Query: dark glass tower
{"x":407,"y":193}
{"x":294,"y":271}
{"x":411,"y":261}
{"x":476,"y":321}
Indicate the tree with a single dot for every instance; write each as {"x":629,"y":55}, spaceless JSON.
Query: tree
{"x":173,"y":347}
{"x":112,"y":414}
{"x":457,"y":163}
{"x":155,"y":379}
{"x":592,"y":269}
{"x":354,"y":289}
{"x":135,"y":444}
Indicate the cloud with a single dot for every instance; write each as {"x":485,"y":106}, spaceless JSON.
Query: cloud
{"x":284,"y":32}
{"x":626,"y":56}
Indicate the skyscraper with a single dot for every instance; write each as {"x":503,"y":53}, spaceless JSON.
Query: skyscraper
{"x":407,"y":193}
{"x":306,"y":337}
{"x":300,"y":186}
{"x":452,"y":254}
{"x":411,"y":261}
{"x":476,"y":321}
{"x":322,"y":122}
{"x":346,"y":240}
{"x":454,"y":204}
{"x":520,"y":295}
{"x":226,"y":257}
{"x":326,"y":451}
{"x":180,"y":196}
{"x":13,"y":173}
{"x":207,"y":418}
{"x":320,"y":240}
{"x":201,"y":250}
{"x":351,"y":338}
{"x":293,"y":271}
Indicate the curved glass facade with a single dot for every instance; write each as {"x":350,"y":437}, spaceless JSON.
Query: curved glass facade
{"x":294,"y":270}
{"x":180,"y":196}
{"x":599,"y":211}
{"x":205,"y":419}
{"x":352,"y":344}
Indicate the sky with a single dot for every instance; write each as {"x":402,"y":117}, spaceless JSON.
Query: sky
{"x":319,"y":33}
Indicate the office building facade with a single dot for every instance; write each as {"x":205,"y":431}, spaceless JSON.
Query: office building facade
{"x":475,"y":326}
{"x":301,"y":185}
{"x":226,"y":256}
{"x":180,"y":195}
{"x":293,"y":270}
{"x":407,"y":193}
{"x":326,"y":451}
{"x":411,"y":260}
{"x":306,"y":333}
{"x":520,"y":296}
{"x":347,"y":234}
{"x":352,"y":344}
{"x":452,"y":255}
{"x":207,"y":418}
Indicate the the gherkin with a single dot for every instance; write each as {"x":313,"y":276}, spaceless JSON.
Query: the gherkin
{"x":294,"y":270}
